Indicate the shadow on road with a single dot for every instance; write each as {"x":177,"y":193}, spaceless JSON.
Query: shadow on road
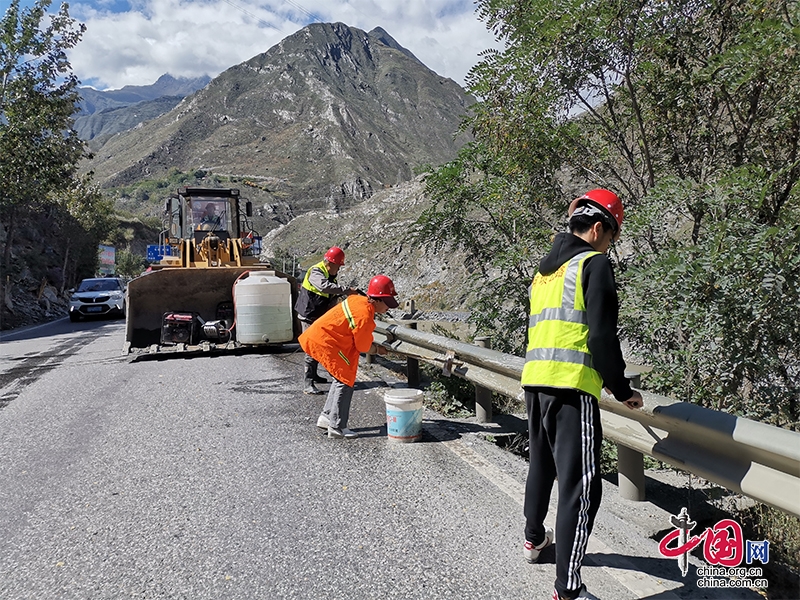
{"x":667,"y":568}
{"x":170,"y":354}
{"x":53,"y":328}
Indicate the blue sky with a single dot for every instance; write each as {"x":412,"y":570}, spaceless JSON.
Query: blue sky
{"x":135,"y":42}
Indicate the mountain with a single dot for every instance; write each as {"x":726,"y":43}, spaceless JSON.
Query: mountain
{"x":322,"y":119}
{"x":104,"y":113}
{"x":98,"y":127}
{"x":94,"y":101}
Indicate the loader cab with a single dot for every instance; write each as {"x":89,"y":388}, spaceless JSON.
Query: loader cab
{"x":218,"y":214}
{"x":194,"y":212}
{"x":201,"y":222}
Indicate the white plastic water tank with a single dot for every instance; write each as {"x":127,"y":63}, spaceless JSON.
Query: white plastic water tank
{"x":263,"y":309}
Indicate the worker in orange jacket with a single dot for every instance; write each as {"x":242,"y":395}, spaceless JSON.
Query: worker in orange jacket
{"x":337,"y":338}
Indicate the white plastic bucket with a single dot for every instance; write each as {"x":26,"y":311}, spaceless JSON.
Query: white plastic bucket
{"x":403,"y":414}
{"x":263,"y":304}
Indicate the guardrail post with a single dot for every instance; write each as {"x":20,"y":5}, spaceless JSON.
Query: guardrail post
{"x":630,"y":463}
{"x":483,"y":396}
{"x":412,"y":364}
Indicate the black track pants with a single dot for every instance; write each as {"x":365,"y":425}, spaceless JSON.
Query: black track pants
{"x":564,"y":436}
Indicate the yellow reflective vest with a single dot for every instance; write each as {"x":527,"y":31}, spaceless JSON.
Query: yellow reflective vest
{"x":558,"y":354}
{"x":307,"y":284}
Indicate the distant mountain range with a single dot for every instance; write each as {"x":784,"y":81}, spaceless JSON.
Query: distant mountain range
{"x":321,"y":120}
{"x":104,"y":113}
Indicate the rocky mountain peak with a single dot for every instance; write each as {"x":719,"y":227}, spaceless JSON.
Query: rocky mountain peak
{"x":319,"y":121}
{"x":380,"y":34}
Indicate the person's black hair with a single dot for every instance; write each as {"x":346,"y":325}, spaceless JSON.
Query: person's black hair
{"x":582,"y":223}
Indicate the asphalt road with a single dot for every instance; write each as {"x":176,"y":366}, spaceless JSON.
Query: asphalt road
{"x":206,"y":478}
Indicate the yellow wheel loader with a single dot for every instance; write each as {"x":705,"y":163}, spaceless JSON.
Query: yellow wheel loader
{"x":205,"y":288}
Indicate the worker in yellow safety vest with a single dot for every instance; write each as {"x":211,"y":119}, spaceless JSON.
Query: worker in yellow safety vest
{"x":318,"y":293}
{"x":572,"y":353}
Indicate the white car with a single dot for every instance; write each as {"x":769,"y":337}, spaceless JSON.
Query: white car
{"x":98,"y":297}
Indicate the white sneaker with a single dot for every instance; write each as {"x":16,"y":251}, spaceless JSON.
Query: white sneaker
{"x":583,"y":594}
{"x":531,"y":552}
{"x":323,"y":422}
{"x":344,"y":432}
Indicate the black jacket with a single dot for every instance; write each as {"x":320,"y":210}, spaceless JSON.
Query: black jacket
{"x":602,"y":309}
{"x":311,"y":306}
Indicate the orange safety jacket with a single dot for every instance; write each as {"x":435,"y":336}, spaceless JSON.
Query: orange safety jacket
{"x":337,"y":338}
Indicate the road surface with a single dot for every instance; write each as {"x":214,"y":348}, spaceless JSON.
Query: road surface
{"x":206,"y":478}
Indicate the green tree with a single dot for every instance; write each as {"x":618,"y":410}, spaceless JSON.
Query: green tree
{"x":130,"y":264}
{"x":691,"y":111}
{"x":488,"y":208}
{"x":39,"y":150}
{"x":84,"y":219}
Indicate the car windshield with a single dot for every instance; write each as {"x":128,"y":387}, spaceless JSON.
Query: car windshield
{"x":99,"y":285}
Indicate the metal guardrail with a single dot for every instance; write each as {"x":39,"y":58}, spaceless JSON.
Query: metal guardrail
{"x":754,"y":459}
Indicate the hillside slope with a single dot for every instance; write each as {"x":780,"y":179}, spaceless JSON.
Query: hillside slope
{"x":375,"y":236}
{"x":98,"y":127}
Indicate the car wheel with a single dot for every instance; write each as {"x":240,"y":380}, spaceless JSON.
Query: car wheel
{"x":74,"y":316}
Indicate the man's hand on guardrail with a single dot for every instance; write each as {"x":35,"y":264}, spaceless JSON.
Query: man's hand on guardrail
{"x":634,"y":401}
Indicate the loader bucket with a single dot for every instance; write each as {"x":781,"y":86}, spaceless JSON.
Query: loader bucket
{"x":196,"y":290}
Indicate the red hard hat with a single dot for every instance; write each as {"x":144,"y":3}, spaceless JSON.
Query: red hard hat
{"x":335,"y":256}
{"x":604,"y":199}
{"x":381,"y":287}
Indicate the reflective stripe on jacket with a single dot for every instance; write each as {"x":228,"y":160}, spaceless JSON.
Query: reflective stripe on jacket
{"x":558,"y":354}
{"x":337,"y":338}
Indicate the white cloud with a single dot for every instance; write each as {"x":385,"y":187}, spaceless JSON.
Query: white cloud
{"x":147,"y":38}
